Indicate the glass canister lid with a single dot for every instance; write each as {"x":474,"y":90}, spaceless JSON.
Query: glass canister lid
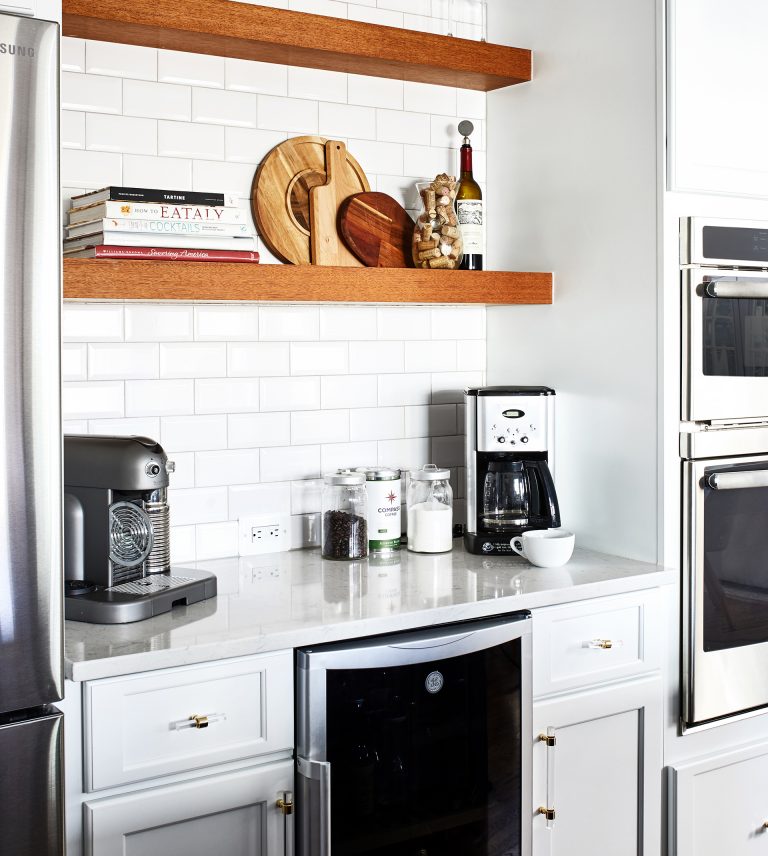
{"x":430,"y":472}
{"x":379,"y":473}
{"x":344,"y":478}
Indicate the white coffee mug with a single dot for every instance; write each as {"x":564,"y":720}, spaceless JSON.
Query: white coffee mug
{"x":547,"y":548}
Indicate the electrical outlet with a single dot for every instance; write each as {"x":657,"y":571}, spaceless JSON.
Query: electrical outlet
{"x":264,"y":533}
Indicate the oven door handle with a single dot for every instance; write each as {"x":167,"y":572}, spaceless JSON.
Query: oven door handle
{"x":738,"y":481}
{"x":752,"y":289}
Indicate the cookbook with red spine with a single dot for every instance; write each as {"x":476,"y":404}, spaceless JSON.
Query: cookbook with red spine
{"x":164,"y":254}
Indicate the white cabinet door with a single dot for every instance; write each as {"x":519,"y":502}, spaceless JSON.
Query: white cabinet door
{"x":234,"y":814}
{"x":719,"y":807}
{"x":717,"y":83}
{"x":603,"y":774}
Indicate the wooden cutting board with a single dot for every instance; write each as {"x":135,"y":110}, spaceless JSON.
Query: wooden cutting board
{"x":377,"y":229}
{"x":280,"y":195}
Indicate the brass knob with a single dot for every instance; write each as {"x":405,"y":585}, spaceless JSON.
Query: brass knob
{"x":605,"y":643}
{"x":549,"y":813}
{"x":200,"y":721}
{"x":285,"y":804}
{"x":549,"y":739}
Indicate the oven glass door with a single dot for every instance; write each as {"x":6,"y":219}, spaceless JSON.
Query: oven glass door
{"x":725,"y":345}
{"x":728,"y":586}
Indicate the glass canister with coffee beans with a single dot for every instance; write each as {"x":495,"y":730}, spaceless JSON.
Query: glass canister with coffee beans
{"x":345,"y":510}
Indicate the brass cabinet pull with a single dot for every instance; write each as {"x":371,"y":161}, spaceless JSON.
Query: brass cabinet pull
{"x":549,"y":813}
{"x":197,"y":721}
{"x":604,"y":644}
{"x":549,"y":739}
{"x":285,"y":803}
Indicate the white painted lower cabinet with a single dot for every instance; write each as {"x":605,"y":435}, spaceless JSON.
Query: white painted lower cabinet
{"x":233,"y":814}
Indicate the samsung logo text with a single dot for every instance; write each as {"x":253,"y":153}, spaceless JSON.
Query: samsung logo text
{"x":16,"y":50}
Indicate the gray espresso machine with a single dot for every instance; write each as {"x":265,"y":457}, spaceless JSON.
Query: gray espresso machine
{"x":510,"y":432}
{"x":117,"y":556}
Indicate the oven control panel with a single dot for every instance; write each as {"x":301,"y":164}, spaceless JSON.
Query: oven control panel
{"x":514,"y":424}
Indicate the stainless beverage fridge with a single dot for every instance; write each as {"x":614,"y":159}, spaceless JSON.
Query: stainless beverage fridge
{"x":417,"y":743}
{"x":31,"y":815}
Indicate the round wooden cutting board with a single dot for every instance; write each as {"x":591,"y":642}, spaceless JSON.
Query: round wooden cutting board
{"x":377,"y":229}
{"x":280,"y":195}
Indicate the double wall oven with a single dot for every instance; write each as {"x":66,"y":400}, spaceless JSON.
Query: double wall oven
{"x":724,"y":451}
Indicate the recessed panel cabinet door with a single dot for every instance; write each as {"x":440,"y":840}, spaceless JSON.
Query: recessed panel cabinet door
{"x":719,"y":807}
{"x":602,"y":776}
{"x":717,"y":84}
{"x":234,"y":814}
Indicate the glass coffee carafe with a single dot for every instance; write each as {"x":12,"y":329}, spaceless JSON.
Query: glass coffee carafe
{"x":506,"y":496}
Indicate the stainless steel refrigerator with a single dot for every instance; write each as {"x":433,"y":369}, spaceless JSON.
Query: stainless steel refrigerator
{"x":31,"y":624}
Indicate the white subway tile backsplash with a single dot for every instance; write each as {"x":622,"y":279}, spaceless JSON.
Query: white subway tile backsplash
{"x":317,"y":85}
{"x":157,"y":100}
{"x":183,"y":545}
{"x":225,"y":177}
{"x":72,"y":129}
{"x":429,"y":161}
{"x":246,"y":145}
{"x":290,"y":463}
{"x":425,"y":24}
{"x":382,"y":17}
{"x":470,"y":104}
{"x":348,"y":391}
{"x":431,"y":420}
{"x":376,"y":357}
{"x":262,"y":77}
{"x":319,"y":7}
{"x":92,"y":322}
{"x":319,"y":426}
{"x":404,"y":389}
{"x":289,"y":323}
{"x":146,"y":171}
{"x":190,"y":69}
{"x":448,"y":387}
{"x":122,"y":361}
{"x":326,"y":358}
{"x":189,"y":140}
{"x":159,"y":397}
{"x":403,"y":322}
{"x":230,"y":466}
{"x":417,"y":7}
{"x":335,"y":456}
{"x":290,"y":393}
{"x":429,"y":98}
{"x":258,"y":430}
{"x":152,"y":322}
{"x":375,"y":92}
{"x":258,"y":359}
{"x":346,"y":120}
{"x":72,"y":54}
{"x":193,"y":359}
{"x":406,"y":454}
{"x":91,"y":92}
{"x":347,"y":322}
{"x":432,"y":356}
{"x":294,"y":115}
{"x":198,"y":505}
{"x":259,"y":499}
{"x":306,"y":496}
{"x":183,"y":474}
{"x":213,"y":540}
{"x":148,"y":426}
{"x":90,"y":169}
{"x":131,"y":61}
{"x":226,"y":323}
{"x":230,"y":395}
{"x":92,"y":399}
{"x":470,"y":356}
{"x":402,"y":127}
{"x":74,"y":362}
{"x":448,"y":451}
{"x":376,"y":423}
{"x":224,"y":108}
{"x":375,"y":157}
{"x":193,"y":433}
{"x":120,"y":134}
{"x":458,"y":322}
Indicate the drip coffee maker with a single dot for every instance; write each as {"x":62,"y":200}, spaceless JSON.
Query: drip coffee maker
{"x":510,"y":431}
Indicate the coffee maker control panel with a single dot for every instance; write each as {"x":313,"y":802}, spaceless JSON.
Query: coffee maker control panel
{"x":513,"y":424}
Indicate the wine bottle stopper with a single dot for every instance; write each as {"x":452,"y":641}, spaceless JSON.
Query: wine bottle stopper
{"x":465,"y":129}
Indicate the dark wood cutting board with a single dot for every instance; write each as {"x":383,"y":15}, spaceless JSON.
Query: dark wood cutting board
{"x":377,"y":229}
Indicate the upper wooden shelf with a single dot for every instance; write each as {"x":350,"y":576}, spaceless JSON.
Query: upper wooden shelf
{"x":107,"y":279}
{"x":244,"y":31}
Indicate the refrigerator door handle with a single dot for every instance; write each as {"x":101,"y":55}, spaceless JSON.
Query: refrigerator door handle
{"x":320,"y":771}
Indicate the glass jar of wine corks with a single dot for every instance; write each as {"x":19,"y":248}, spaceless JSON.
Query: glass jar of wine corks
{"x":345,"y":508}
{"x":437,"y":239}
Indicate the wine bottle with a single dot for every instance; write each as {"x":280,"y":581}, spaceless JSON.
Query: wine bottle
{"x":469,"y":205}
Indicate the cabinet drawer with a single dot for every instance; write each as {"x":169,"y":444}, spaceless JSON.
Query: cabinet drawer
{"x":137,"y":728}
{"x":718,"y":806}
{"x":567,"y":641}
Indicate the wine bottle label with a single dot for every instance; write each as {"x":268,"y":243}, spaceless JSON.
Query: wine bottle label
{"x":470,"y":214}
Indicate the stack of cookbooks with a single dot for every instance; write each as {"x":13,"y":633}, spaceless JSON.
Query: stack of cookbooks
{"x":139,"y":223}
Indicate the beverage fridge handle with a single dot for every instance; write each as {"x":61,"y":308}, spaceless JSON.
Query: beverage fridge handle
{"x":321,"y":772}
{"x":749,"y":289}
{"x":737,"y":481}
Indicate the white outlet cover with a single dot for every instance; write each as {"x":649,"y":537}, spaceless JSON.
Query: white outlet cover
{"x":277,"y":543}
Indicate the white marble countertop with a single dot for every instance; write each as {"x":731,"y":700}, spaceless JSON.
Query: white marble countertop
{"x":285,"y":600}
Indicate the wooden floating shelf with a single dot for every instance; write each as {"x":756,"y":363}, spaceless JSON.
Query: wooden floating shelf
{"x":244,"y":31}
{"x":107,"y":279}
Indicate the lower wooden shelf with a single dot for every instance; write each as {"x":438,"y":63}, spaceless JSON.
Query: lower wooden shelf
{"x":108,"y":279}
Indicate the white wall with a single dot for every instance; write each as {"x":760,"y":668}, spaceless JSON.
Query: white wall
{"x":575,"y":153}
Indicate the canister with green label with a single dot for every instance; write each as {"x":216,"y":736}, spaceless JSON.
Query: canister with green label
{"x":384,"y":527}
